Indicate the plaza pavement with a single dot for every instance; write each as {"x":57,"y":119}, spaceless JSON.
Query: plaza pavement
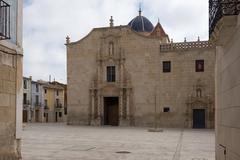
{"x":62,"y":142}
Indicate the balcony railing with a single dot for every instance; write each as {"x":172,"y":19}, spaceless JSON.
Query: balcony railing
{"x":37,"y":104}
{"x":220,"y":8}
{"x":26,"y":102}
{"x":58,"y":105}
{"x":184,"y":46}
{"x":4,"y":20}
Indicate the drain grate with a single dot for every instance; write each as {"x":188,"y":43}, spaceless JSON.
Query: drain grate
{"x":123,"y":152}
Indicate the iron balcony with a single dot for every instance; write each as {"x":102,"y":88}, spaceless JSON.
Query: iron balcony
{"x":220,"y":8}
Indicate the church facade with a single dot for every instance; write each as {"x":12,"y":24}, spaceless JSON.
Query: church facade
{"x":133,"y":75}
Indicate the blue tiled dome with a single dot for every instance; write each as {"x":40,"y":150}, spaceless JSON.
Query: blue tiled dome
{"x":141,"y":24}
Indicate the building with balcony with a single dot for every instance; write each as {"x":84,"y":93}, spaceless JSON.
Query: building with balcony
{"x":37,"y":101}
{"x":28,"y":111}
{"x":53,"y":100}
{"x":224,"y":27}
{"x":11,"y":54}
{"x":133,"y":75}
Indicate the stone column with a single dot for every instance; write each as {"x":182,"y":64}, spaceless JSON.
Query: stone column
{"x":92,"y":105}
{"x":122,"y":73}
{"x":99,"y":71}
{"x":121,"y":105}
{"x":96,"y":104}
{"x":187,"y":116}
{"x":190,"y":115}
{"x":208,"y":118}
{"x":99,"y":108}
{"x":125,"y":121}
{"x":128,"y":104}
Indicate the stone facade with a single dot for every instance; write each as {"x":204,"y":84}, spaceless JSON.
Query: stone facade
{"x":143,"y":94}
{"x":183,"y":89}
{"x":226,"y":36}
{"x":11,"y":85}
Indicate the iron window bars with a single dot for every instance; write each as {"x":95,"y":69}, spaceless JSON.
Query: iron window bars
{"x":4,"y":20}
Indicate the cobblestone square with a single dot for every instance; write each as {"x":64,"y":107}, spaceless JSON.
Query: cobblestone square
{"x":62,"y":142}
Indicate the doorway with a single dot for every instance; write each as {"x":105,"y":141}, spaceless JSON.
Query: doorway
{"x":111,"y":111}
{"x":46,"y":117}
{"x":37,"y":116}
{"x":56,"y":117}
{"x":25,"y":116}
{"x":199,"y":118}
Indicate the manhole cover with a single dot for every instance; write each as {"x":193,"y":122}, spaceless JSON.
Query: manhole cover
{"x":123,"y":152}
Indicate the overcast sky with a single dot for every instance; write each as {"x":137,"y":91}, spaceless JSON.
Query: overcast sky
{"x":48,"y":22}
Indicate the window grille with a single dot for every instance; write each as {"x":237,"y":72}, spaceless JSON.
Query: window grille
{"x":111,"y":74}
{"x":166,"y":66}
{"x":4,"y":20}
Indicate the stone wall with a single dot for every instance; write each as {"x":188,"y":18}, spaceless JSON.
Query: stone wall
{"x":11,"y":86}
{"x":9,"y":145}
{"x":178,"y":89}
{"x":227,"y":38}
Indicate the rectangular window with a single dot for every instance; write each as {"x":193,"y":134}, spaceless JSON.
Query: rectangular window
{"x":37,"y":99}
{"x":45,"y":102}
{"x":25,"y":84}
{"x":57,"y":102}
{"x":111,"y":74}
{"x":37,"y":88}
{"x":4,"y":20}
{"x":166,"y":109}
{"x":45,"y":91}
{"x":199,"y":65}
{"x":166,"y":66}
{"x":65,"y":110}
{"x":57,"y":92}
{"x":60,"y":114}
{"x":24,"y":98}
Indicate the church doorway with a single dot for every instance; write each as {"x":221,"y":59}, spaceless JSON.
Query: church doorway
{"x":111,"y":110}
{"x":198,"y":118}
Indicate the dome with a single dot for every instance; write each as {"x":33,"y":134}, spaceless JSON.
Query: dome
{"x":141,"y":24}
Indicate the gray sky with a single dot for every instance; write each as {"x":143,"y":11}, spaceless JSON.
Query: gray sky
{"x":48,"y":22}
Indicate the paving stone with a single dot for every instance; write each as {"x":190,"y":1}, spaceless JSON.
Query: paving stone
{"x":61,"y":142}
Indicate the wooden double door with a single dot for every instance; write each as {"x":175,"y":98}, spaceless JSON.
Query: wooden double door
{"x":111,"y":111}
